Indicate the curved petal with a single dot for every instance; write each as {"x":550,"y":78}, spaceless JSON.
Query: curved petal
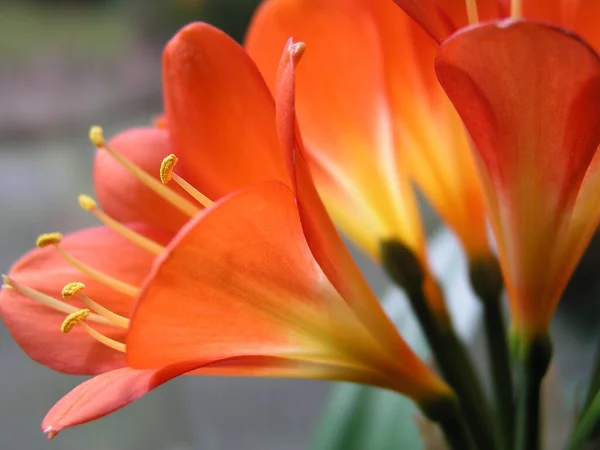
{"x":579,"y":16}
{"x":220,"y":114}
{"x":429,"y":132}
{"x":239,"y":281}
{"x":344,"y":115}
{"x":121,"y":194}
{"x":115,"y":389}
{"x":36,"y":327}
{"x":536,"y":126}
{"x":104,"y":394}
{"x":321,"y":236}
{"x":441,"y":18}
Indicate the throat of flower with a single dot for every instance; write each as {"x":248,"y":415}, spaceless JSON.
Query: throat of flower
{"x":472,"y":13}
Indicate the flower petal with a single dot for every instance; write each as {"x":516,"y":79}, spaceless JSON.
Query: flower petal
{"x":220,"y":114}
{"x":430,"y":134}
{"x":344,"y":115}
{"x":121,"y":194}
{"x":115,"y":389}
{"x":36,"y":327}
{"x":441,"y":18}
{"x":579,"y":16}
{"x":325,"y":243}
{"x":536,"y":125}
{"x":240,"y":281}
{"x":103,"y":394}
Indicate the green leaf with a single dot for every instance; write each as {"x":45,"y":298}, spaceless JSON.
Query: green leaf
{"x":360,"y":417}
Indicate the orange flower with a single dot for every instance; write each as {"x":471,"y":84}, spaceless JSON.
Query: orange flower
{"x":373,"y":116}
{"x":258,"y":283}
{"x":529,"y":94}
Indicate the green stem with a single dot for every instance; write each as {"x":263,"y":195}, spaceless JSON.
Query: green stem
{"x":486,"y":280}
{"x":594,"y":384}
{"x":453,"y":361}
{"x":445,"y":411}
{"x":533,"y":365}
{"x":449,"y":353}
{"x":500,"y":366}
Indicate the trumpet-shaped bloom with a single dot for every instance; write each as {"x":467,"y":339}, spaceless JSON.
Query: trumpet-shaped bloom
{"x":529,"y":94}
{"x":233,"y":269}
{"x":373,"y":117}
{"x":441,"y":18}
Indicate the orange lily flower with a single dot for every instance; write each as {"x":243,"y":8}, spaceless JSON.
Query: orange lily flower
{"x":373,"y":117}
{"x":529,"y":95}
{"x":257,"y":283}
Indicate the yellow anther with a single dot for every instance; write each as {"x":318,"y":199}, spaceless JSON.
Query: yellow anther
{"x":71,"y":289}
{"x":86,"y":202}
{"x":74,"y":319}
{"x":46,"y":239}
{"x":166,"y":168}
{"x":6,"y":282}
{"x":97,"y":136}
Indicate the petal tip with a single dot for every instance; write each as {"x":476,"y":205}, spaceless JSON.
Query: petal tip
{"x":50,"y":432}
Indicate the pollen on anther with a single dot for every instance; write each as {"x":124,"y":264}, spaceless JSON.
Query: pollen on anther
{"x":97,"y":136}
{"x":46,"y":239}
{"x":71,"y":289}
{"x":86,"y":202}
{"x":73,"y":319}
{"x":166,"y":168}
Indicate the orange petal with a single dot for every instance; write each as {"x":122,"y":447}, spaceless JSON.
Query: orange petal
{"x":325,"y":243}
{"x":579,"y":16}
{"x":536,"y":125}
{"x":239,"y":280}
{"x":344,"y":115}
{"x":36,"y":327}
{"x":115,"y":389}
{"x":441,"y":18}
{"x":429,"y":132}
{"x":220,"y":113}
{"x":104,"y":394}
{"x":122,"y":195}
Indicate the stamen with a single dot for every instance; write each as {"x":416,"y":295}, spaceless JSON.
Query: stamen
{"x":78,"y":318}
{"x":167,"y":174}
{"x":46,"y":239}
{"x":170,"y":196}
{"x":73,"y":319}
{"x":72,"y":289}
{"x":118,"y":285}
{"x":88,"y":204}
{"x":472,"y":13}
{"x":516,"y":9}
{"x":49,"y":301}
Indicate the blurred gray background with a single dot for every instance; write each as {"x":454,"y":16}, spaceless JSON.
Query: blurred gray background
{"x":65,"y":65}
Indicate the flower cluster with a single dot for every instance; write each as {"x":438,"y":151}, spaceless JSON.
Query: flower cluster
{"x":218,"y":252}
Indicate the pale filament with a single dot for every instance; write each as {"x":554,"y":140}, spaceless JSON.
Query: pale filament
{"x":132,"y":236}
{"x":187,"y":187}
{"x":49,"y":301}
{"x":107,"y":280}
{"x":472,"y":13}
{"x":516,"y":9}
{"x":115,"y":319}
{"x":149,"y":181}
{"x":115,"y":345}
